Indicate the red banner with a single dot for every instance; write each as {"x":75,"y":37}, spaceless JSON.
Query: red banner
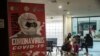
{"x":26,"y":27}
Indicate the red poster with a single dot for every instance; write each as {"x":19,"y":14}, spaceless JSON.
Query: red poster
{"x":26,"y":27}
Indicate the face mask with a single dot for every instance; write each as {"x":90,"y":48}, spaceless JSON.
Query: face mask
{"x":33,"y":24}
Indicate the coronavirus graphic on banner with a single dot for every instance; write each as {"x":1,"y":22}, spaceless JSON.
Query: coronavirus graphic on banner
{"x":26,"y":27}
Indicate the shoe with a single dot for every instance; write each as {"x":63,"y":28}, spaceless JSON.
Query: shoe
{"x":80,"y":49}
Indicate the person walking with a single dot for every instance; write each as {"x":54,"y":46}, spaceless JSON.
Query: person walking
{"x":88,"y":43}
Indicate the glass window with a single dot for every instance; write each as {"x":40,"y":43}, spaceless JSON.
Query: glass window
{"x":54,"y":29}
{"x":86,"y":25}
{"x":83,"y":26}
{"x":74,"y":26}
{"x":95,"y":27}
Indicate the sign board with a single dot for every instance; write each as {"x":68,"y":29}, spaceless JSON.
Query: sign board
{"x":26,"y":27}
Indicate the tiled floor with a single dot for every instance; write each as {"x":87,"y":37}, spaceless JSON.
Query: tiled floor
{"x":95,"y":51}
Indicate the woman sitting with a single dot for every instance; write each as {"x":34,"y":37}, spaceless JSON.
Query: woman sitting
{"x":74,"y":47}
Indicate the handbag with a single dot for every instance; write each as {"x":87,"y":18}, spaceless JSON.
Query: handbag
{"x":65,"y":47}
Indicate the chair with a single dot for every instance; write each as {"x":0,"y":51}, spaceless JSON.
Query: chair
{"x":49,"y":47}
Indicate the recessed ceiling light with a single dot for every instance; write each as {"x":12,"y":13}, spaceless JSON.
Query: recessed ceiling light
{"x":60,"y":6}
{"x":68,"y":12}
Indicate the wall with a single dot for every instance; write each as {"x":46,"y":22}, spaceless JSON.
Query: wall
{"x":14,"y":0}
{"x":4,"y":47}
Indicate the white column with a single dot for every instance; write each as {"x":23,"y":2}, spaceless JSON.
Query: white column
{"x":67,"y":25}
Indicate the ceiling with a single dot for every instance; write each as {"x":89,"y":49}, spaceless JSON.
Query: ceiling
{"x":75,"y":7}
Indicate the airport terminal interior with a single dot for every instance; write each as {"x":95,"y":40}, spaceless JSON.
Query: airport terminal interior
{"x":78,"y":17}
